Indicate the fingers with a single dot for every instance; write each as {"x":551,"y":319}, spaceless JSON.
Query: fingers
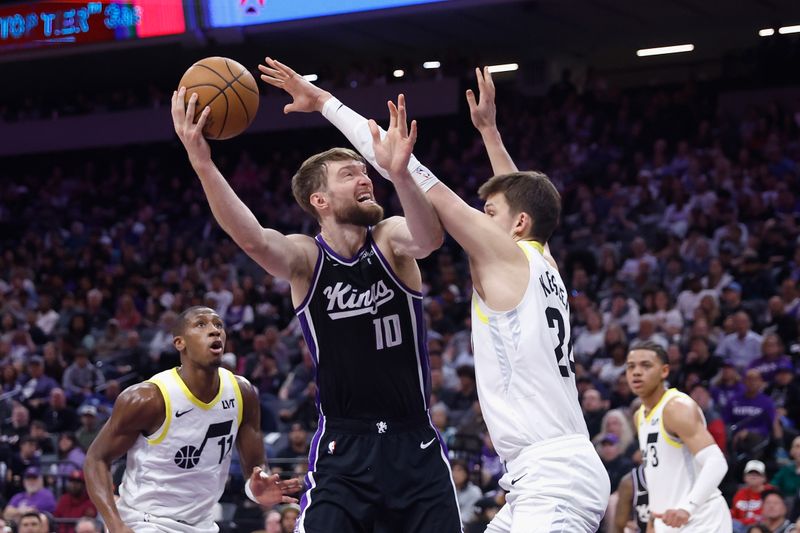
{"x":178,"y":110}
{"x":412,"y":136}
{"x":287,"y":499}
{"x":402,"y":125}
{"x":284,"y":68}
{"x":375,"y":132}
{"x":488,"y":79}
{"x":201,"y":122}
{"x":471,"y":100}
{"x":392,"y":115}
{"x":189,"y":118}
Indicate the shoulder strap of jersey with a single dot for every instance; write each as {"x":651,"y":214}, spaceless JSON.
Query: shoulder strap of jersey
{"x":231,"y":377}
{"x":159,"y":436}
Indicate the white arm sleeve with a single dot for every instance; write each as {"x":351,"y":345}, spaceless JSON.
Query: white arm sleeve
{"x":356,"y":129}
{"x":713,"y":467}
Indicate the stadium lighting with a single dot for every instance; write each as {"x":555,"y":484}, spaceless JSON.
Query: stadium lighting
{"x":506,"y":67}
{"x":399,"y":73}
{"x":789,"y":29}
{"x":431,"y":64}
{"x":766,"y":32}
{"x":661,"y":50}
{"x":311,"y":77}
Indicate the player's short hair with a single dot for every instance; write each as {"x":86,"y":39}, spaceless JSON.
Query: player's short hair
{"x":528,"y":192}
{"x":312,"y":175}
{"x":654,"y":347}
{"x":180,"y":323}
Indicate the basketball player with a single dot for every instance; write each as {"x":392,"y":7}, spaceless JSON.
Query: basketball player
{"x":632,"y":501}
{"x":520,"y":319}
{"x":376,"y":461}
{"x":683,"y":464}
{"x":178,"y":429}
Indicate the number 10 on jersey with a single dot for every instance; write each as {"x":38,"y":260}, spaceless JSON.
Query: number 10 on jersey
{"x":387,"y":332}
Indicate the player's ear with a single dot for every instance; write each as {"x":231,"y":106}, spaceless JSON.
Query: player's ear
{"x":319,"y":200}
{"x":179,"y":343}
{"x":523,"y":224}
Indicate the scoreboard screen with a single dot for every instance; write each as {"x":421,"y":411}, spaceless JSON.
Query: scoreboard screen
{"x":33,"y":25}
{"x":227,"y":13}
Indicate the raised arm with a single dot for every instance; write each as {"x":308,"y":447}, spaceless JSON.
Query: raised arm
{"x":265,"y":489}
{"x":139,"y":410}
{"x":419,"y":232}
{"x":282,"y":256}
{"x":682,"y":417}
{"x":483,"y":113}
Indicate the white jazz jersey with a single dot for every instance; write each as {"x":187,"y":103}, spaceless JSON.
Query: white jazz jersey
{"x":179,"y":472}
{"x":670,"y":470}
{"x":523,"y":363}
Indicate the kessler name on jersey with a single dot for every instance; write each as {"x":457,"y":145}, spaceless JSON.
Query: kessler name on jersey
{"x":551,"y":285}
{"x":345,"y":301}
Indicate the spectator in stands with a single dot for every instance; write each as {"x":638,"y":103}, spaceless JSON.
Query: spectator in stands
{"x":785,"y":392}
{"x":35,"y":497}
{"x":780,"y":322}
{"x":743,"y":346}
{"x":70,"y":454}
{"x":82,"y":377}
{"x":87,"y":525}
{"x":59,"y":416}
{"x":267,"y":377}
{"x":54,"y":365}
{"x":773,"y":513}
{"x":289,"y":514}
{"x":747,"y":502}
{"x":74,"y":503}
{"x":127,"y":316}
{"x":617,"y":464}
{"x":621,"y":394}
{"x":18,"y":426}
{"x":772,"y":356}
{"x":590,"y":340}
{"x":483,"y":513}
{"x":111,"y":341}
{"x":44,"y":440}
{"x":700,"y":361}
{"x":727,"y":385}
{"x":25,"y":458}
{"x":467,"y":393}
{"x":31,"y":522}
{"x":616,"y":422}
{"x":297,"y":448}
{"x":594,"y":409}
{"x":787,"y":479}
{"x":716,"y":426}
{"x":89,"y":427}
{"x":466,"y":491}
{"x":36,"y":390}
{"x":689,"y":299}
{"x":752,"y":412}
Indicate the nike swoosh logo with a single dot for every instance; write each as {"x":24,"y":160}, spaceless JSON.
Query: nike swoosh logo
{"x":514,"y":481}
{"x":424,"y":445}
{"x":179,"y":414}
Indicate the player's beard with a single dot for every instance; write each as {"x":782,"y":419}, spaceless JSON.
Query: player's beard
{"x":359,"y":214}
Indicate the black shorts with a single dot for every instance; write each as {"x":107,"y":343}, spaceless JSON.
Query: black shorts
{"x":389,"y":476}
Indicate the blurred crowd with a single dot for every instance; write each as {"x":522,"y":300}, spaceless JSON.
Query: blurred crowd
{"x":680,"y":226}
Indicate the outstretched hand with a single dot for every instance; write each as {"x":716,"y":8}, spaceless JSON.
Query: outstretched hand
{"x":393,"y":151}
{"x":483,"y":111}
{"x":190,"y":134}
{"x":271,"y":490}
{"x":306,"y":97}
{"x":673,"y":517}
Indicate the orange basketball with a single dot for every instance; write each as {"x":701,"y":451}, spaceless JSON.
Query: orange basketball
{"x":228,"y":89}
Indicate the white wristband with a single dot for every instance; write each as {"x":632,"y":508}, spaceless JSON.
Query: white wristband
{"x":356,"y":129}
{"x":249,"y":492}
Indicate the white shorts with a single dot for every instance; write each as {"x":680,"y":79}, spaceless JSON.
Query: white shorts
{"x":712,"y":517}
{"x":147,"y":523}
{"x":559,"y":485}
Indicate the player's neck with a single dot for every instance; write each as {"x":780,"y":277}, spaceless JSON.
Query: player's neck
{"x":344,"y":239}
{"x":202,"y":382}
{"x":652,"y":399}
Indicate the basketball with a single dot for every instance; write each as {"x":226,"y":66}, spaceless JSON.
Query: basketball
{"x":229,"y":89}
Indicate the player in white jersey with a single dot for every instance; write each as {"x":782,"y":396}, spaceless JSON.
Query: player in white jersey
{"x":521,"y":327}
{"x":683,"y":464}
{"x":178,"y":429}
